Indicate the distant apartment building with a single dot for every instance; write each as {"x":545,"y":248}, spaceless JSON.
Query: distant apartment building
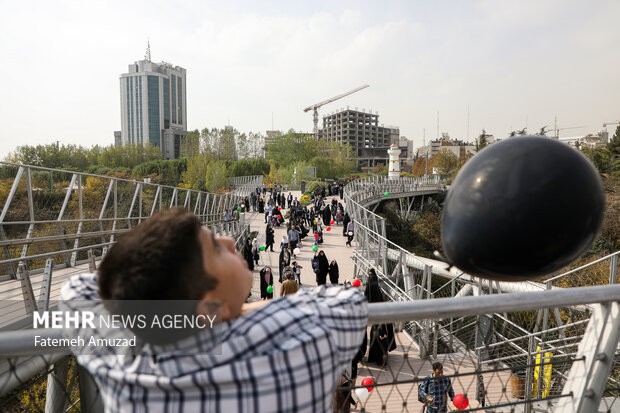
{"x":369,"y":140}
{"x":153,"y":106}
{"x":591,"y":140}
{"x":458,"y":147}
{"x":118,"y":140}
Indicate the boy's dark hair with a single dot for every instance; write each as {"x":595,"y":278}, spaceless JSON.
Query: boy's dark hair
{"x":160,"y":259}
{"x":437,"y":366}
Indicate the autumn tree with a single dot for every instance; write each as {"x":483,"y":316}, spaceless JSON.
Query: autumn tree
{"x":420,"y":167}
{"x":445,"y":162}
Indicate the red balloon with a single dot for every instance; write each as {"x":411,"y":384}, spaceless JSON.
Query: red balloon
{"x":328,"y":228}
{"x":368,"y":381}
{"x":279,"y":209}
{"x":356,"y":283}
{"x":339,"y":215}
{"x":332,"y":222}
{"x":279,"y":216}
{"x":316,"y":235}
{"x":460,"y":401}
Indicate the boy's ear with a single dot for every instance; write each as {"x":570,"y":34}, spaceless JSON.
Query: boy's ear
{"x":203,"y":306}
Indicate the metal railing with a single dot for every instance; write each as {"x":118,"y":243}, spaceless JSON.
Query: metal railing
{"x":360,"y":193}
{"x":57,"y":223}
{"x":55,"y":213}
{"x":543,"y":346}
{"x":550,"y":374}
{"x":495,"y":339}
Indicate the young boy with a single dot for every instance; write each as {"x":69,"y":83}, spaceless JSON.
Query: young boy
{"x":276,"y":355}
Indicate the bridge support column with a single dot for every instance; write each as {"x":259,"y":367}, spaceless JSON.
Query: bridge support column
{"x":56,"y":395}
{"x":587,"y":377}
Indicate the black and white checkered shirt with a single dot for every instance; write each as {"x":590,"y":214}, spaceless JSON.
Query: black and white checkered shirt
{"x":286,"y":356}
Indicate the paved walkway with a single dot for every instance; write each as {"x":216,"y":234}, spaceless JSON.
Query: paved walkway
{"x":333,"y":245}
{"x":404,"y":362}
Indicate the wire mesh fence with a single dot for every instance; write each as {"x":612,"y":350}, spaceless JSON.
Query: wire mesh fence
{"x":485,"y":373}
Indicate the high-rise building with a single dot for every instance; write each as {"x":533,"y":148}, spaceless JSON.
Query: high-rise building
{"x":362,"y":131}
{"x":153,"y":105}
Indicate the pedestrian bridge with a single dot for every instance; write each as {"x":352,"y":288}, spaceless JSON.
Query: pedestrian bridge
{"x":550,"y":346}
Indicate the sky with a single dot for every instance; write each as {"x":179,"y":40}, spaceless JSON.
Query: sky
{"x":465,"y":65}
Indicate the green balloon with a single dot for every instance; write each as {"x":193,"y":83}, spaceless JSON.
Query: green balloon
{"x":239,"y":208}
{"x":386,"y":194}
{"x":269,"y":289}
{"x":262,"y":248}
{"x":313,"y":193}
{"x":315,"y":248}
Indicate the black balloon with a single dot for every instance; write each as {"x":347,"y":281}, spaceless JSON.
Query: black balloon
{"x":521,"y":209}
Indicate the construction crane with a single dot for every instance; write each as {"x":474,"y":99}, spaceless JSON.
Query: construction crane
{"x":611,"y":123}
{"x":316,"y":107}
{"x":557,"y":130}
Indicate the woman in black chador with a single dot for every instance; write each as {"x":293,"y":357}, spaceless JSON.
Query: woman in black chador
{"x":269,"y":238}
{"x":381,"y":335}
{"x":321,"y":276}
{"x":248,"y":255}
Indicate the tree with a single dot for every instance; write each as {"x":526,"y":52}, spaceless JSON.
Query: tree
{"x":243,"y":146}
{"x":215,"y":176}
{"x":482,"y":141}
{"x":194,"y":175}
{"x":419,"y":167}
{"x":256,"y":141}
{"x":380,"y":169}
{"x":446,"y":163}
{"x":190,"y":144}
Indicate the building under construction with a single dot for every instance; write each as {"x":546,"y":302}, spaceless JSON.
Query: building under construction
{"x":361,"y":130}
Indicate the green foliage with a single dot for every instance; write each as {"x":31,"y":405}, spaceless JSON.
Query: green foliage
{"x":325,"y":167}
{"x":288,"y":148}
{"x":194,"y":175}
{"x":79,"y":158}
{"x":168,"y":172}
{"x":607,"y":158}
{"x":316,"y":186}
{"x":331,"y":159}
{"x":398,"y":227}
{"x":215,"y":176}
{"x":427,"y":231}
{"x":482,"y":141}
{"x":190,"y":144}
{"x":244,"y":167}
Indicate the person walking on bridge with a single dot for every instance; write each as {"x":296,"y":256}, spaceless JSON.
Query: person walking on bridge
{"x":269,"y":238}
{"x":350,"y":232}
{"x":293,"y":239}
{"x":436,"y":389}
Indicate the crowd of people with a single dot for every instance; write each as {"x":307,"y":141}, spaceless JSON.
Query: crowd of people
{"x":301,"y":221}
{"x":211,"y":270}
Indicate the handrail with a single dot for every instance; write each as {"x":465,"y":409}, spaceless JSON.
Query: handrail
{"x":21,"y":342}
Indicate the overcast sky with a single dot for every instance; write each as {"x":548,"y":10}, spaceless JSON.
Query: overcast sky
{"x":513,"y":63}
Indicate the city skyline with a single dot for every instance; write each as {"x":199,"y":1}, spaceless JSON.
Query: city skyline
{"x":508,"y":65}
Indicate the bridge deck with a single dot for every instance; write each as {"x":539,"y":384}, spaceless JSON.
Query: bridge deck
{"x":390,"y":398}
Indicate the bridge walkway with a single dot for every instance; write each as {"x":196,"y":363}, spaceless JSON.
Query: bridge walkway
{"x":404,"y":363}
